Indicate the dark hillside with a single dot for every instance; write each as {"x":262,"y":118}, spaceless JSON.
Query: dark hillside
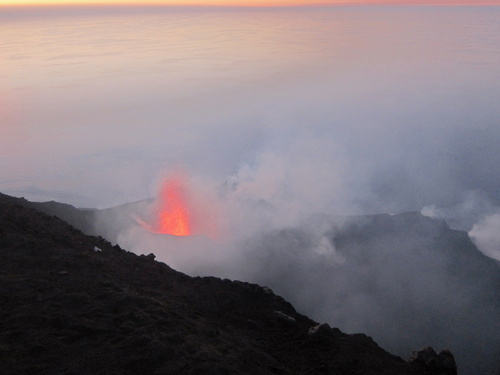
{"x":74,"y":304}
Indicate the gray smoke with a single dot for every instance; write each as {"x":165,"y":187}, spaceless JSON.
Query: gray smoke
{"x":286,"y":221}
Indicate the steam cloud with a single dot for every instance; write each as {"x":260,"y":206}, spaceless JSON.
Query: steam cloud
{"x":280,"y":218}
{"x":486,"y":235}
{"x":279,"y":214}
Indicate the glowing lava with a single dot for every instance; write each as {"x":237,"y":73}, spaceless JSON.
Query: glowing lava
{"x":173,"y":215}
{"x":183,"y":208}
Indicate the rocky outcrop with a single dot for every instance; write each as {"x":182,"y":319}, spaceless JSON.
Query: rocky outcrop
{"x":431,"y":362}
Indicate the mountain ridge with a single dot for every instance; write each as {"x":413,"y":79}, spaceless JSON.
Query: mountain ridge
{"x":76,"y":304}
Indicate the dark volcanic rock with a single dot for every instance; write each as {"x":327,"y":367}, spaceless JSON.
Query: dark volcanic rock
{"x":90,"y":221}
{"x":74,"y":304}
{"x":427,"y":359}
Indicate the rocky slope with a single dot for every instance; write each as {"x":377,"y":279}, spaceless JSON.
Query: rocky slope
{"x":75,"y":304}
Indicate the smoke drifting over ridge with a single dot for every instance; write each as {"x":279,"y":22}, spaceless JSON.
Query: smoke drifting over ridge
{"x":279,"y":214}
{"x":407,"y":280}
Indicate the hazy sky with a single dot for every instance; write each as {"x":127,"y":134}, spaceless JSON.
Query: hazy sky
{"x":252,"y":2}
{"x":384,"y":110}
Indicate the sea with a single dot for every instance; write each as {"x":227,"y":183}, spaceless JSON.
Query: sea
{"x":382,"y":108}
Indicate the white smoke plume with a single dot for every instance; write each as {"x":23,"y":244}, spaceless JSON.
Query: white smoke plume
{"x":486,"y":235}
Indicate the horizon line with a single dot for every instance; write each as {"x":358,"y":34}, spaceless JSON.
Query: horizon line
{"x":317,"y":5}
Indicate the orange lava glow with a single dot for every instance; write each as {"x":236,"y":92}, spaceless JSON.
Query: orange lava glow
{"x":173,"y":214}
{"x":184,"y":208}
